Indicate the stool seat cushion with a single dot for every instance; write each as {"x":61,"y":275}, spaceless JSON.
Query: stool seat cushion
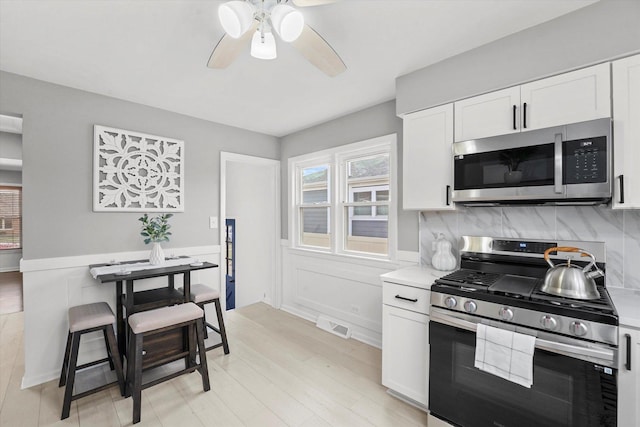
{"x":89,"y":316}
{"x":151,"y":320}
{"x":201,"y":293}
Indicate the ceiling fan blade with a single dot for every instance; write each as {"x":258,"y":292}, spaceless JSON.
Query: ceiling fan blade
{"x":228,"y":48}
{"x":304,"y":3}
{"x":319,"y":52}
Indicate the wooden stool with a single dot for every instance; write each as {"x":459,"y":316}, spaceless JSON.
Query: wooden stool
{"x":84,"y":319}
{"x":157,"y":321}
{"x":201,"y":295}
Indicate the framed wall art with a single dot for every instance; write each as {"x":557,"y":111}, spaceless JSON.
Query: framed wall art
{"x":136,"y":172}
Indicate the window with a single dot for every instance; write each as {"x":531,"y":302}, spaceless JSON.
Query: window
{"x":10,"y":218}
{"x":342,"y":199}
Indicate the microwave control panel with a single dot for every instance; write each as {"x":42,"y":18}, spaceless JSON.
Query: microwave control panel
{"x":585,"y":160}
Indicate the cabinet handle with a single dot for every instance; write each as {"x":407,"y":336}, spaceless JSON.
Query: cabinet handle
{"x":407,"y":299}
{"x":448,"y":190}
{"x":628,"y":364}
{"x":514,"y":118}
{"x":621,"y":178}
{"x":524,"y":116}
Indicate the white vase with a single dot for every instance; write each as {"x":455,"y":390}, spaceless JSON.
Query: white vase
{"x":443,"y":259}
{"x":157,"y":254}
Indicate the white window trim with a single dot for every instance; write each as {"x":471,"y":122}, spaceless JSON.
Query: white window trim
{"x":336,"y":158}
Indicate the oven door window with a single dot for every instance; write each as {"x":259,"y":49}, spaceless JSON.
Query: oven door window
{"x":517,"y":167}
{"x":565,"y":391}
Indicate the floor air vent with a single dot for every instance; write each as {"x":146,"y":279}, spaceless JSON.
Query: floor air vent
{"x":334,"y":327}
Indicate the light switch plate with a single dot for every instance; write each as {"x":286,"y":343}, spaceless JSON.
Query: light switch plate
{"x":213,"y":222}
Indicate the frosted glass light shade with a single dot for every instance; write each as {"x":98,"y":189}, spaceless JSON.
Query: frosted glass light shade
{"x":236,"y":17}
{"x":263,"y":49}
{"x":287,"y":21}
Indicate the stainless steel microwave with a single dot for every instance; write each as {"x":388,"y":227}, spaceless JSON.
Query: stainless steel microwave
{"x":569,"y":164}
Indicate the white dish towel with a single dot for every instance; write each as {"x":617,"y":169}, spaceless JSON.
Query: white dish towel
{"x":506,"y":354}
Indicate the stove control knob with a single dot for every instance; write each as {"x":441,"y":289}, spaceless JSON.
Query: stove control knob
{"x":505,"y":313}
{"x":579,"y":329}
{"x":470,"y":306}
{"x":549,"y":322}
{"x":450,"y":302}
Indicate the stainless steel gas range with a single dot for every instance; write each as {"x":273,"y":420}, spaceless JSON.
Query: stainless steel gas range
{"x":574,"y":359}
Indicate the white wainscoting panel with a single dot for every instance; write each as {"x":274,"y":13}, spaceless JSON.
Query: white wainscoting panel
{"x":345,"y":289}
{"x":51,"y":286}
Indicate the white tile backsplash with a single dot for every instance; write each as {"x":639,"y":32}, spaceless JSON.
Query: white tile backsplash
{"x":618,"y":229}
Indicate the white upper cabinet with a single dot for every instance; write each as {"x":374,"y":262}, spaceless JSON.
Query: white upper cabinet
{"x":567,"y":98}
{"x":427,"y":159}
{"x":626,"y":130}
{"x":495,"y":113}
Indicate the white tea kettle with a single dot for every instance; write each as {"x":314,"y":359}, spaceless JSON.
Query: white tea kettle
{"x":571,"y":281}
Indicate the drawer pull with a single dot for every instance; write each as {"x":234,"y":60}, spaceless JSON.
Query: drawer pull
{"x":407,"y":299}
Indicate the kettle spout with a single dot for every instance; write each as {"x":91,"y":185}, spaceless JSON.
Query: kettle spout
{"x":595,"y":274}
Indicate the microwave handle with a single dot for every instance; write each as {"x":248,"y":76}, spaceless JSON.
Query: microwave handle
{"x":557,"y":180}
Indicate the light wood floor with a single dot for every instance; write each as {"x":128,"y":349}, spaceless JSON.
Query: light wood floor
{"x":10,"y":292}
{"x":282,"y":371}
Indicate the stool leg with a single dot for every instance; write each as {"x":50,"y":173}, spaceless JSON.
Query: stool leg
{"x":65,"y":362}
{"x":131,"y":362}
{"x":204,"y":317}
{"x":109,"y":353}
{"x":223,"y":331}
{"x":114,"y":357}
{"x":71,"y":374}
{"x":137,"y":377}
{"x":203,"y":367}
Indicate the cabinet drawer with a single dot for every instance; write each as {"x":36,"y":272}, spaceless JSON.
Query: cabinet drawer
{"x":403,"y":296}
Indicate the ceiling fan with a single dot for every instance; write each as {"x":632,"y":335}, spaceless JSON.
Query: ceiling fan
{"x":255,"y":21}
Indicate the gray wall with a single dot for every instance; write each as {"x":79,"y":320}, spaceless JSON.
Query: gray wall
{"x":57,"y":172}
{"x":10,"y":145}
{"x":369,"y":123}
{"x":10,"y":148}
{"x":593,"y":34}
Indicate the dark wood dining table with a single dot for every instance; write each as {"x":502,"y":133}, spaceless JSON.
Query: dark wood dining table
{"x":128,"y":301}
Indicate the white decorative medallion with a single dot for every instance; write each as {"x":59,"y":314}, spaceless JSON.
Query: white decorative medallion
{"x":134,"y":172}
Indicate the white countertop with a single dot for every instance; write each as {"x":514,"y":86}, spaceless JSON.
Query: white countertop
{"x":627,"y":303}
{"x":417,"y":276}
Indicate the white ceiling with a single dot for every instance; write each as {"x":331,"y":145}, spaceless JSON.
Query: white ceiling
{"x":154,"y":52}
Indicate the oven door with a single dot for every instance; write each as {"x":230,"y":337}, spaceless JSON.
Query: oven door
{"x":566,"y":391}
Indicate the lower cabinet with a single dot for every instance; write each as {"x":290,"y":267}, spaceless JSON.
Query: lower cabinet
{"x":629,"y":378}
{"x":405,"y":342}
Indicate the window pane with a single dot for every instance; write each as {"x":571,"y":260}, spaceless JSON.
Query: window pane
{"x":367,"y":235}
{"x":315,"y":184}
{"x":369,"y":167}
{"x":10,"y":218}
{"x":382,"y":195}
{"x":315,"y":227}
{"x":314,"y":196}
{"x":382,"y":210}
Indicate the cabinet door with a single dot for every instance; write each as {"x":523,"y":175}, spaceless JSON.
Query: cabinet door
{"x":626,"y":128}
{"x":568,"y":98}
{"x":427,"y":159}
{"x":405,"y":353}
{"x":495,"y":113}
{"x":629,"y":379}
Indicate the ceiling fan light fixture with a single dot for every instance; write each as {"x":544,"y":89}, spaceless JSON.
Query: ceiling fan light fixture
{"x":236,"y":17}
{"x":287,"y":21}
{"x":263,"y":48}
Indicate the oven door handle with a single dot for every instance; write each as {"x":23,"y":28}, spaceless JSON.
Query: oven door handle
{"x":584,"y":353}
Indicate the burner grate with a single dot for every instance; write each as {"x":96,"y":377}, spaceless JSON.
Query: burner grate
{"x":472,"y":277}
{"x":603,"y":304}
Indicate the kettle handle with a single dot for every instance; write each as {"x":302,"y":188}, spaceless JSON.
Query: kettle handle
{"x":569,"y":249}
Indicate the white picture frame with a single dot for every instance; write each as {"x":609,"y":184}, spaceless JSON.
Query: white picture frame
{"x":136,"y":172}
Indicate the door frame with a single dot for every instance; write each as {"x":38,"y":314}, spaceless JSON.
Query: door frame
{"x":225,"y":157}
